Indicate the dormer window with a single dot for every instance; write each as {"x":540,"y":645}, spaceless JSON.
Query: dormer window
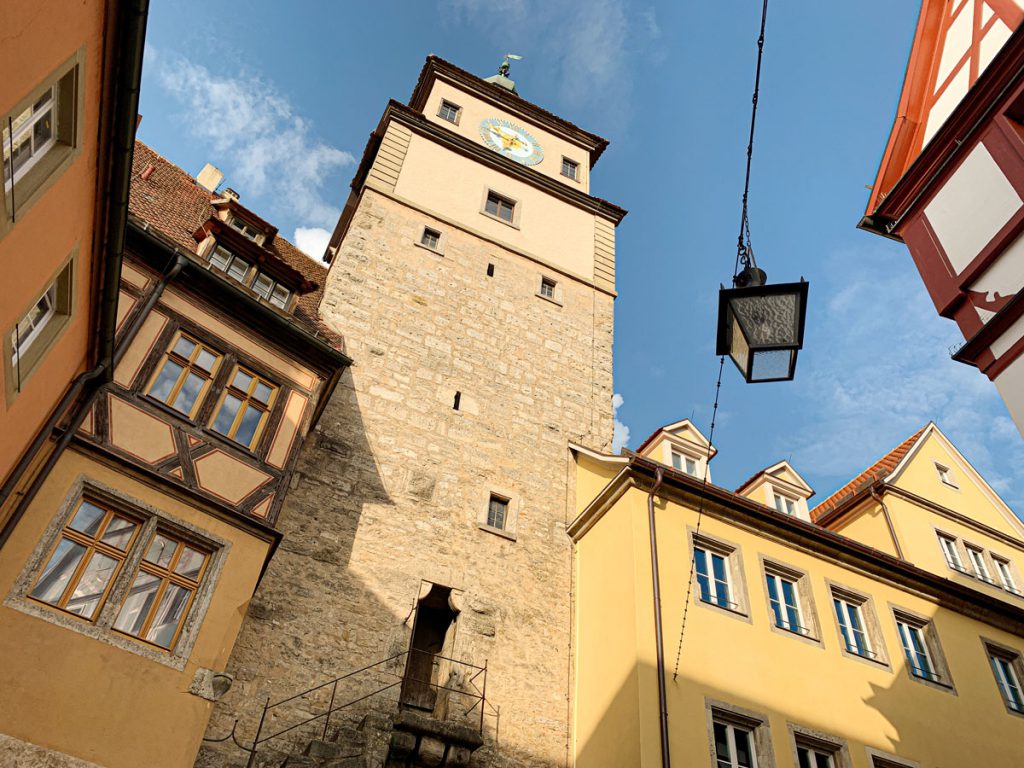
{"x":260,"y":283}
{"x":234,"y":266}
{"x":245,"y":228}
{"x":784,"y":504}
{"x":271,"y":290}
{"x":684,"y":463}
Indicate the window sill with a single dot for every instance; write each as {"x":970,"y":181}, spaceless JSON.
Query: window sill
{"x":552,"y":299}
{"x":873,"y":661}
{"x":736,"y":612}
{"x":500,"y":220}
{"x":497,"y":531}
{"x":939,"y":685}
{"x":435,"y":251}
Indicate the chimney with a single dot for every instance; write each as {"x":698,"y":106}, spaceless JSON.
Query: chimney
{"x":230,"y":194}
{"x":209,"y":178}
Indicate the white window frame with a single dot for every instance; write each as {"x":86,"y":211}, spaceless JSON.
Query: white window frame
{"x":849,"y":603}
{"x":774,"y":577}
{"x":441,"y":111}
{"x":976,"y":556}
{"x":19,"y":345}
{"x":1005,"y":570}
{"x":946,"y":476}
{"x":1007,"y":677}
{"x":847,"y":611}
{"x":732,"y":760}
{"x":814,"y":753}
{"x":951,"y":553}
{"x":244,"y":228}
{"x":785,"y":504}
{"x":908,"y":632}
{"x":713,"y":597}
{"x":27,"y":127}
{"x":575,"y":176}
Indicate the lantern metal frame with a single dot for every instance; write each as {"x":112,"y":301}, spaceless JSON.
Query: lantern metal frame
{"x":725,"y":325}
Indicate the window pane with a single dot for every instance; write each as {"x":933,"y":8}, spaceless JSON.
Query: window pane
{"x":691,"y":467}
{"x":821,"y":760}
{"x":721,"y":582}
{"x":190,"y":563}
{"x":219,"y":259}
{"x":184,"y":347}
{"x":701,"y":563}
{"x":119,"y":532}
{"x":242,"y":380}
{"x":496,"y":513}
{"x":161,"y":550}
{"x":55,"y":576}
{"x":722,"y":746}
{"x":237,"y":269}
{"x":166,"y":380}
{"x":492,"y":205}
{"x":803,"y":757}
{"x":189,"y":393}
{"x":205,"y":360}
{"x":263,"y":285}
{"x":677,"y":460}
{"x":226,"y":415}
{"x":42,"y":132}
{"x":773,"y":600}
{"x":262,"y":393}
{"x":744,"y":749}
{"x":247,"y":427}
{"x":280,"y":296}
{"x":137,"y":604}
{"x":86,"y":597}
{"x":87,"y":519}
{"x":168,"y":615}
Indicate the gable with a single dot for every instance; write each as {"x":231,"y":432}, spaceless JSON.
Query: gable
{"x":954,"y":43}
{"x":967,"y":492}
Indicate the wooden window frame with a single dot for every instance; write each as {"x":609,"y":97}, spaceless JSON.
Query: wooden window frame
{"x":500,"y":199}
{"x":187,"y":367}
{"x":247,"y":399}
{"x":167,"y":576}
{"x":92,"y":545}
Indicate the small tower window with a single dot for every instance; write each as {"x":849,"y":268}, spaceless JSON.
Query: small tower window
{"x":490,"y":270}
{"x":500,"y":207}
{"x":497,"y":512}
{"x":547,"y":288}
{"x":449,"y":111}
{"x":430,"y":238}
{"x":946,"y":475}
{"x":570,"y":169}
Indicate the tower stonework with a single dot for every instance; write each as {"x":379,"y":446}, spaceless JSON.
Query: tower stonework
{"x":482,"y":341}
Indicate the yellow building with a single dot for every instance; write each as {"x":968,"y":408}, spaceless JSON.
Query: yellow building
{"x":882,"y":628}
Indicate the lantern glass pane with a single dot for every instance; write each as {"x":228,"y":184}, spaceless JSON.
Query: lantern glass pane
{"x":768,"y":321}
{"x":772,"y":364}
{"x":738,"y":349}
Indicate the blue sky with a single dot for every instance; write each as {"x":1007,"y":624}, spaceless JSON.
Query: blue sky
{"x":282,"y":97}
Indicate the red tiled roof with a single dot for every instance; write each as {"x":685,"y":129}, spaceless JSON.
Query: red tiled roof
{"x":876,"y":471}
{"x":171,"y":202}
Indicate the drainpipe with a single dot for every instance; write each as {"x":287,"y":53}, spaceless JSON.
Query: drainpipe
{"x":888,"y":522}
{"x":659,"y":642}
{"x":158,"y":290}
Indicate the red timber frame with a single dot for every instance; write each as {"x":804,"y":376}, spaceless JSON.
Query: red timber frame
{"x":991,"y":114}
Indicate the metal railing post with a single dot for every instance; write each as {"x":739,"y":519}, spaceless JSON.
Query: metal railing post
{"x":327,"y":720}
{"x":256,"y":739}
{"x":483,"y":698}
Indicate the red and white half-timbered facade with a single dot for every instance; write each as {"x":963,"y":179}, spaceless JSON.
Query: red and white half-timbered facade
{"x":951,"y":181}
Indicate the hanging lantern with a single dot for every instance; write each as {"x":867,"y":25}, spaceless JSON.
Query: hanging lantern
{"x":761,"y":327}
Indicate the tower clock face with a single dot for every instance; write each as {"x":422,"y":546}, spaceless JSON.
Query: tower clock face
{"x":512,"y":141}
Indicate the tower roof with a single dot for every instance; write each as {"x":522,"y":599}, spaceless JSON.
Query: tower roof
{"x":500,"y":94}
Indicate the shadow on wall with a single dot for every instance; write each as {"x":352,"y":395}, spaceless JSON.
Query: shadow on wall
{"x":309,"y":604}
{"x":923,"y":724}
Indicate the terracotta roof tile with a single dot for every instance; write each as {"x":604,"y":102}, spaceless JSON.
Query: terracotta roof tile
{"x":876,"y":471}
{"x":171,"y":202}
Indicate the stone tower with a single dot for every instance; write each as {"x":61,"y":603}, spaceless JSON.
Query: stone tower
{"x":472,"y":277}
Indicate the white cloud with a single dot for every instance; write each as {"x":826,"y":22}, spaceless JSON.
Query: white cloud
{"x":620,"y":432}
{"x":312,"y":241}
{"x":254,"y":134}
{"x":877,"y":369}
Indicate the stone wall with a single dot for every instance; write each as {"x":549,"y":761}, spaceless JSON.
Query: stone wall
{"x":390,"y":488}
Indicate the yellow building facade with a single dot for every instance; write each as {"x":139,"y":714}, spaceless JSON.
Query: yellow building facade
{"x":886,"y":633}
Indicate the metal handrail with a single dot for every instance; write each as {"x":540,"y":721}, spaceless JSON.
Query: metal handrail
{"x":477,"y":694}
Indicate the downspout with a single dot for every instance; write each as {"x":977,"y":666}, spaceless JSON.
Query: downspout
{"x":158,"y":290}
{"x":659,"y":642}
{"x":129,"y":42}
{"x":888,"y":522}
